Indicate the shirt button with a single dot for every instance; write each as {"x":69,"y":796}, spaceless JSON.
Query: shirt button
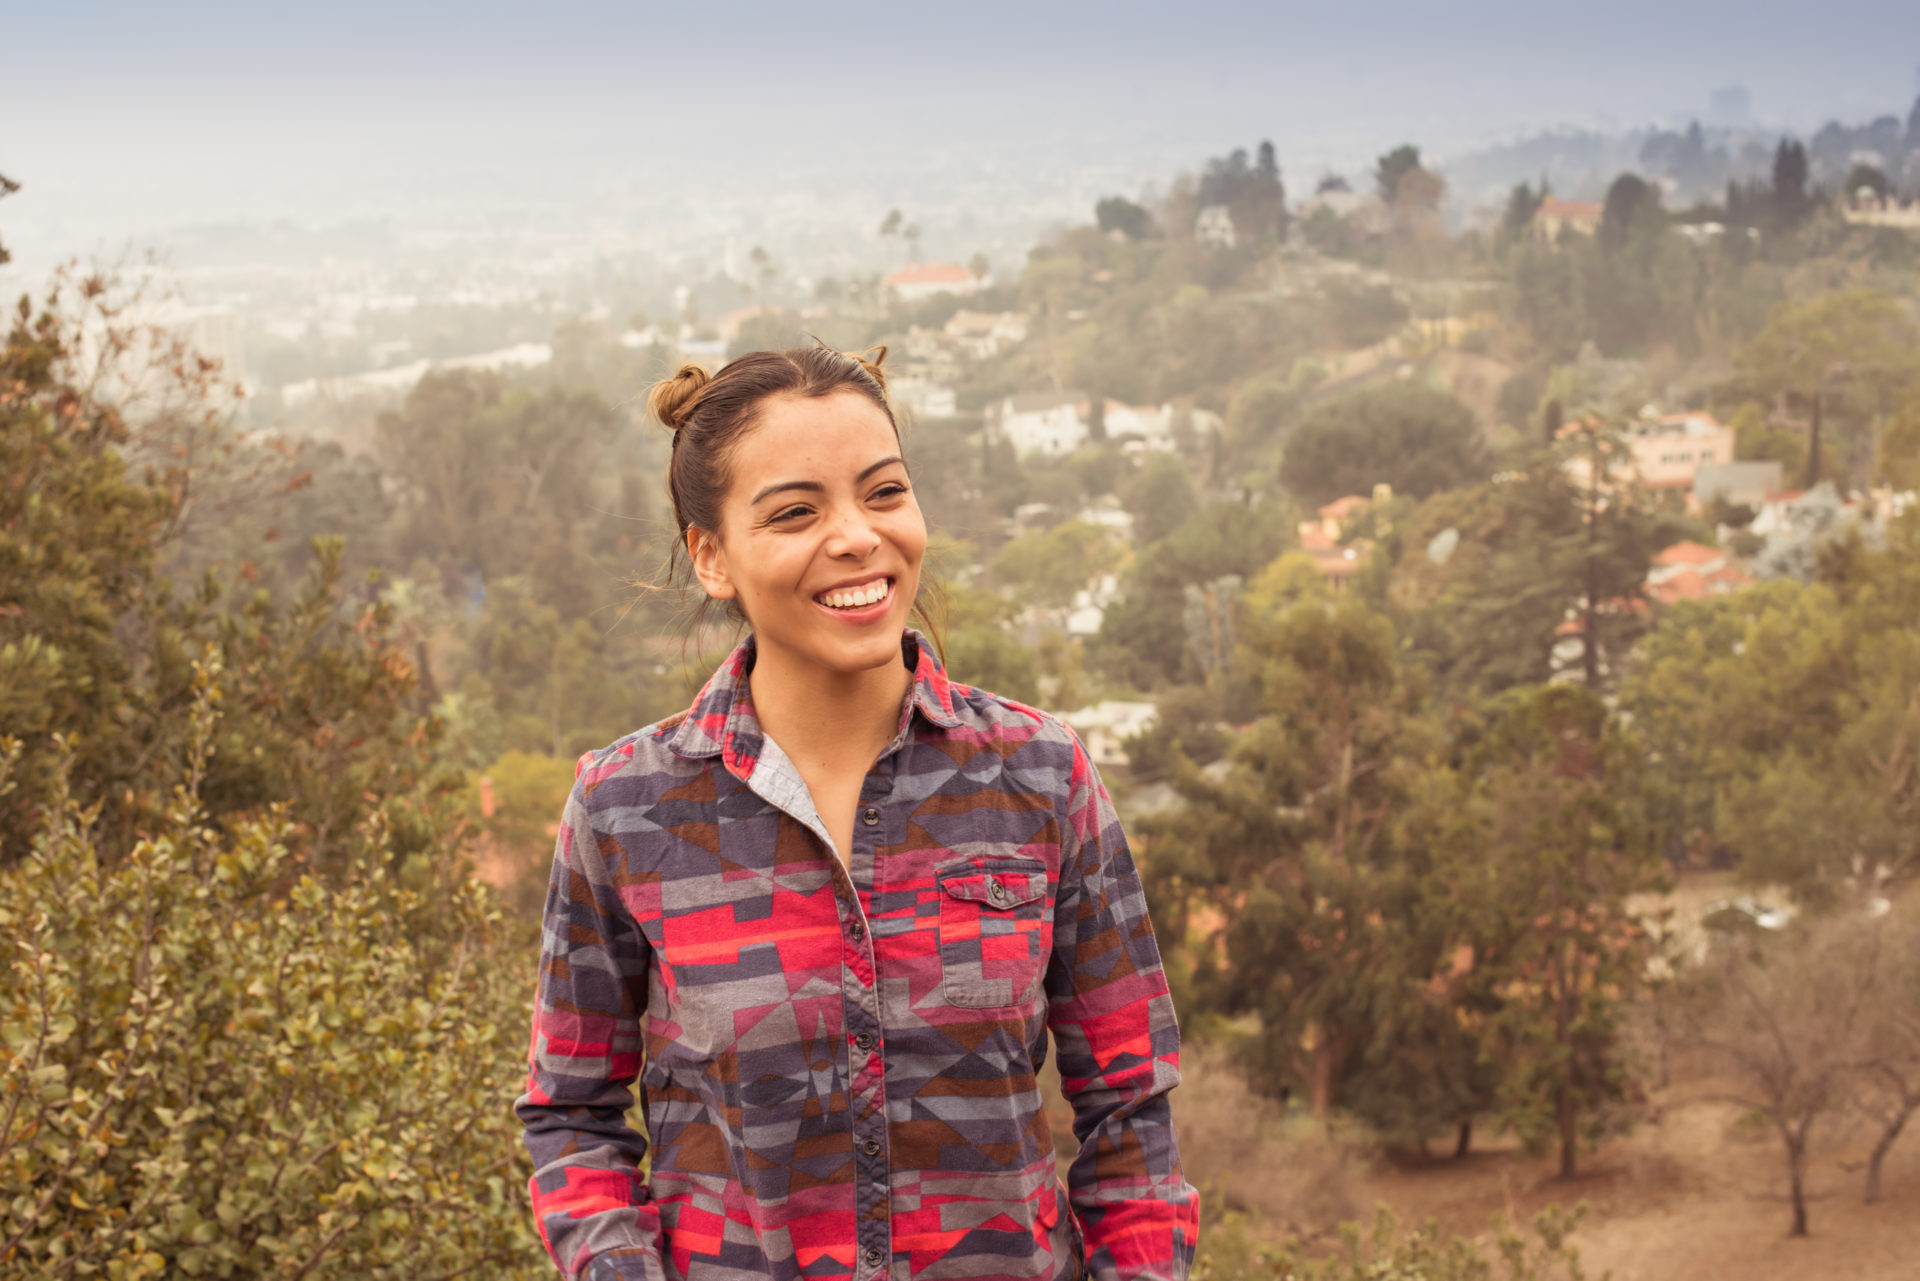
{"x":871,"y":1147}
{"x":864,"y":1041}
{"x":995,"y":890}
{"x":858,"y":929}
{"x":870,"y":816}
{"x":873,"y":1256}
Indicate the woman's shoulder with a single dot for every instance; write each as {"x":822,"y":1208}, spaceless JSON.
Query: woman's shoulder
{"x":643,"y":763}
{"x":1041,"y":736}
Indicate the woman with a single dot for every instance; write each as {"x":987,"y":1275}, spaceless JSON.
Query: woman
{"x":829,"y":914}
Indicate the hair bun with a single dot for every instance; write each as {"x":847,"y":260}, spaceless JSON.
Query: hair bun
{"x":672,"y":399}
{"x":870,"y":360}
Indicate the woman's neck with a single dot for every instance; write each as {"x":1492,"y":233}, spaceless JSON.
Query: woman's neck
{"x":827,"y":719}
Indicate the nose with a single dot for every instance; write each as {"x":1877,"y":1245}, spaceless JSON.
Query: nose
{"x":852,"y":535}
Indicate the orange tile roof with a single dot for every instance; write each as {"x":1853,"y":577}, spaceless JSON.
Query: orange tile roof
{"x":1568,"y":208}
{"x":1341,"y":508}
{"x":933,"y":273}
{"x":1688,"y":553}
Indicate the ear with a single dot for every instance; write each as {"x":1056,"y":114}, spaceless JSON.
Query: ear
{"x":703,"y":551}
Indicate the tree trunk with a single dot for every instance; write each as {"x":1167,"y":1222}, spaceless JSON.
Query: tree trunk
{"x":1813,"y":446}
{"x":1880,"y":1149}
{"x":1464,"y":1139}
{"x":1569,"y":1133}
{"x":1797,"y":1180}
{"x":1323,"y":1061}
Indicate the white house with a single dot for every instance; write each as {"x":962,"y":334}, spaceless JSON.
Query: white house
{"x":1042,"y":422}
{"x":916,"y":280}
{"x":923,"y":397}
{"x":1106,"y":726}
{"x":1213,"y":225}
{"x":985,"y":334}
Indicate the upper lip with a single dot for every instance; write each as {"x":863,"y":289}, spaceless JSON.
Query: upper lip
{"x":853,"y":582}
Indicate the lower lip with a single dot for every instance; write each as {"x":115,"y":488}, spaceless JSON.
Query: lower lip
{"x":865,"y":614}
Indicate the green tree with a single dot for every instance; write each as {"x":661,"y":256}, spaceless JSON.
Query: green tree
{"x":1291,"y":847}
{"x":1117,"y":213}
{"x":1159,"y":496}
{"x":1854,"y":352}
{"x":1543,"y":850}
{"x":1541,"y":559}
{"x":1143,"y":637}
{"x":215,"y":1062}
{"x":1789,"y":718}
{"x":1392,"y":167}
{"x":1051,"y":565}
{"x":1522,"y":203}
{"x":1409,"y":435}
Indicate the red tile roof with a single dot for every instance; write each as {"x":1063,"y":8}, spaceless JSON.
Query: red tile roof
{"x":1568,"y":208}
{"x":1341,"y":508}
{"x":933,"y":273}
{"x":1688,"y":553}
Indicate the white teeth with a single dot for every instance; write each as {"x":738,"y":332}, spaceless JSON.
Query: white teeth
{"x":854,"y":598}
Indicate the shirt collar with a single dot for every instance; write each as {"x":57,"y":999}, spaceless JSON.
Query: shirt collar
{"x":721,"y":722}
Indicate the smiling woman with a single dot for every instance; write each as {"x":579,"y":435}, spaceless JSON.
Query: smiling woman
{"x":829,"y":916}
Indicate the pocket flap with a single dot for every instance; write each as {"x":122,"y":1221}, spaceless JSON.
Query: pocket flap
{"x":995,"y":887}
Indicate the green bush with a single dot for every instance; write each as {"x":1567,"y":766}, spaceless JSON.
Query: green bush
{"x":214,"y":1064}
{"x":1229,"y":1252}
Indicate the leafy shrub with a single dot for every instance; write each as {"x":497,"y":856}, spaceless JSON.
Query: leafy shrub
{"x":213,"y":1064}
{"x":1386,"y":1253}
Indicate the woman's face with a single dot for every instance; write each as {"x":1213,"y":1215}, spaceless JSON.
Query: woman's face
{"x":820,"y":537}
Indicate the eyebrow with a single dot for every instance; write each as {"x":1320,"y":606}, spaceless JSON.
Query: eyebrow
{"x":816,"y":487}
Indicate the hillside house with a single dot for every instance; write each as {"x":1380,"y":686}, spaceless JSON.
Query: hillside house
{"x":1693,"y":571}
{"x":925,"y":280}
{"x":1338,"y":562}
{"x":1041,"y":422}
{"x":1739,"y":483}
{"x":1664,"y":452}
{"x":1555,"y":216}
{"x":1213,"y":225}
{"x":1106,"y":726}
{"x":985,"y":334}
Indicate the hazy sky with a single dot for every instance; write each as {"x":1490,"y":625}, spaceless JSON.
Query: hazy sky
{"x":123,"y":119}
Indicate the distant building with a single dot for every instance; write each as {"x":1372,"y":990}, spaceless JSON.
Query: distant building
{"x":1106,"y":726}
{"x":1864,"y":208}
{"x":1338,"y":562}
{"x":1693,"y":571}
{"x":923,"y":397}
{"x":1665,"y":451}
{"x":1555,"y":216}
{"x":1213,"y":225}
{"x":1739,"y":483}
{"x":916,"y":280}
{"x":985,"y":334}
{"x":1041,"y":422}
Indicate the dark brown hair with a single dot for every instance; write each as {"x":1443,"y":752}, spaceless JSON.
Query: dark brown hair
{"x":709,"y":414}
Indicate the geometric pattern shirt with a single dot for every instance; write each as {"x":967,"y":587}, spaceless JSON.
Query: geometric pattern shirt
{"x":837,"y":1064}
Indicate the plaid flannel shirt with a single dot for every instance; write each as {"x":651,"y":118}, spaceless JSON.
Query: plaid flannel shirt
{"x":838,"y":1064}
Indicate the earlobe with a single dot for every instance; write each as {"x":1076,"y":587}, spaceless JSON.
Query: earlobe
{"x":704,"y":553}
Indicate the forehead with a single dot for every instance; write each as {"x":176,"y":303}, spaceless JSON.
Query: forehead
{"x":812,"y":438}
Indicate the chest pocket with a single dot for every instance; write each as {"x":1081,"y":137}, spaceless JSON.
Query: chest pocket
{"x":995,"y":931}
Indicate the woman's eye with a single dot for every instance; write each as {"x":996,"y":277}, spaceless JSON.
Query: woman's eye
{"x":786,"y":514}
{"x":890,"y":491}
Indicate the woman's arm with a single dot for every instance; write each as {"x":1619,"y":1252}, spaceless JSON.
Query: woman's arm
{"x":1119,"y":1049}
{"x":589,"y":1201}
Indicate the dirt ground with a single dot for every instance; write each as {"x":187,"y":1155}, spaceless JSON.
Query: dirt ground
{"x":1692,"y":1196}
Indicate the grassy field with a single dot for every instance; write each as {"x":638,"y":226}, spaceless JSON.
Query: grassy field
{"x":1695,"y":1192}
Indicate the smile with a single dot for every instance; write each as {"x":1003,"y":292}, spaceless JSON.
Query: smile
{"x":858,"y":603}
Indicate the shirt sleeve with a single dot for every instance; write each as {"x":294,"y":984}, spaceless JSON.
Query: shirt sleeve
{"x":1119,"y":1050}
{"x":590,"y":1200}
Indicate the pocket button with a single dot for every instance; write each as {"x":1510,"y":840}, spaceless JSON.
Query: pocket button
{"x":996,"y":891}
